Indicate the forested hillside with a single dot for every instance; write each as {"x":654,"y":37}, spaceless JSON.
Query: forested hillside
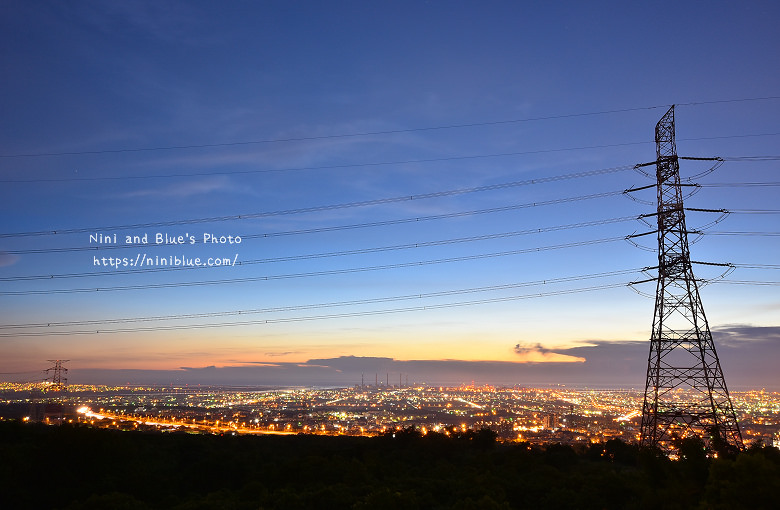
{"x":78,"y":468}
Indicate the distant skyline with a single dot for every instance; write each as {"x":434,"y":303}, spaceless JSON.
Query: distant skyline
{"x":433,"y":189}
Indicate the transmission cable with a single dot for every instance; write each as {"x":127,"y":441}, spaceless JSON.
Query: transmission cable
{"x":738,"y":184}
{"x":316,"y":273}
{"x":328,"y":316}
{"x":330,"y":207}
{"x":739,"y":233}
{"x":324,"y":167}
{"x":749,"y":282}
{"x":373,"y":133}
{"x":757,"y":266}
{"x":336,"y":253}
{"x":325,"y":137}
{"x":416,"y":219}
{"x":473,"y":290}
{"x":420,"y":244}
{"x":754,"y":211}
{"x":751,"y":158}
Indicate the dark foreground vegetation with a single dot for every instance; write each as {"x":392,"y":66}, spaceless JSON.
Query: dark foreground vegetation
{"x":80,"y":468}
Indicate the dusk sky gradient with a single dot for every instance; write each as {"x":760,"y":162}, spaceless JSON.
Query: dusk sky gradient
{"x":333,"y":130}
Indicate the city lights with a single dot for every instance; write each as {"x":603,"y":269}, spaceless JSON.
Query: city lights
{"x":534,"y":415}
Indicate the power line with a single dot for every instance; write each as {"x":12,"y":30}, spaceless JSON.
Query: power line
{"x":754,"y":211}
{"x":738,"y":184}
{"x":332,"y":304}
{"x":747,"y":282}
{"x":389,"y":163}
{"x":315,"y":273}
{"x":330,"y":207}
{"x":324,"y":137}
{"x":330,"y":316}
{"x":726,"y":137}
{"x":325,"y":167}
{"x":726,"y":233}
{"x":358,"y":225}
{"x":329,"y":229}
{"x":378,"y":249}
{"x":697,"y":186}
{"x":416,"y":219}
{"x":366,"y":203}
{"x":374,"y":249}
{"x":720,"y":101}
{"x":751,"y":158}
{"x":373,"y":133}
{"x":419,"y":244}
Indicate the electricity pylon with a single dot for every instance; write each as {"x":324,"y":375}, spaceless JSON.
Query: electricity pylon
{"x":54,"y":406}
{"x":685,"y":392}
{"x":58,"y":381}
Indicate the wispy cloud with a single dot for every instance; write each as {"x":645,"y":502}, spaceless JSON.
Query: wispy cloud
{"x":537,"y":353}
{"x":7,"y":259}
{"x":523,"y":349}
{"x":737,"y":334}
{"x":188,"y":189}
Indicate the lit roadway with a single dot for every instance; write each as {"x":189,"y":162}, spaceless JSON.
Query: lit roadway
{"x":161,"y":422}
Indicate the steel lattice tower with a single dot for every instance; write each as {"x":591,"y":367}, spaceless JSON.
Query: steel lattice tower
{"x":58,"y":382}
{"x":685,"y":392}
{"x":53,"y":406}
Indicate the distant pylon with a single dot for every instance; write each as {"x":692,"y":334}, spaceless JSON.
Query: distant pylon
{"x":58,"y":381}
{"x":685,"y":392}
{"x":53,"y":406}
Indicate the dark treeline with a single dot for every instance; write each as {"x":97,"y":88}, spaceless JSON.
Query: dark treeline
{"x":72,"y":467}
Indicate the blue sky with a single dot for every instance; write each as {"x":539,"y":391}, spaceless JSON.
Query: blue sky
{"x":144,"y":113}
